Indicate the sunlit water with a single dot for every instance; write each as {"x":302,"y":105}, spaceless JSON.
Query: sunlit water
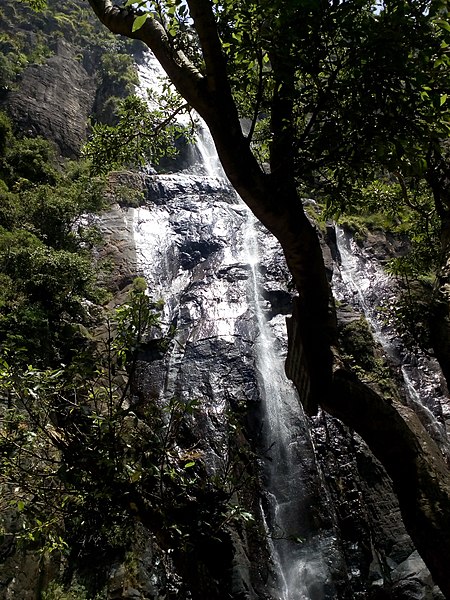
{"x":362,"y":282}
{"x":227,"y":304}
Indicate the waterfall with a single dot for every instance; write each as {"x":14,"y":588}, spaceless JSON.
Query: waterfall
{"x":362,"y":283}
{"x":300,"y":573}
{"x":320,"y":531}
{"x":197,"y":245}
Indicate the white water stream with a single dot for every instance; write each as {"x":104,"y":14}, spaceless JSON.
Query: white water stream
{"x":296,"y":572}
{"x":299,"y":570}
{"x":284,"y":478}
{"x":364,"y":285}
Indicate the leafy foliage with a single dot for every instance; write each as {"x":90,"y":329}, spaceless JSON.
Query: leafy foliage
{"x":141,"y":136}
{"x":17,"y":52}
{"x":104,"y":454}
{"x":45,"y":261}
{"x":52,"y":20}
{"x":389,"y":205}
{"x":363,"y":355}
{"x":118,"y":79}
{"x":363,"y":85}
{"x":316,"y":81}
{"x":174,"y":17}
{"x":68,"y":425}
{"x":37,"y":4}
{"x":75,"y":591}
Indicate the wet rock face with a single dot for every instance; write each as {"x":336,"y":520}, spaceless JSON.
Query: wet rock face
{"x":361,"y":284}
{"x":54,"y":100}
{"x":194,"y":243}
{"x":366,"y":292}
{"x":202,"y":253}
{"x":118,"y":248}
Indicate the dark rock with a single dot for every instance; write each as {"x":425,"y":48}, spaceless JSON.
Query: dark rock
{"x":54,"y":100}
{"x":280,"y":302}
{"x":193,"y":252}
{"x":384,"y":245}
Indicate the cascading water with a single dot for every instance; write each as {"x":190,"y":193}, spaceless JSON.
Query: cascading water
{"x":224,"y":283}
{"x":301,"y":572}
{"x":363,"y":284}
{"x":202,"y":256}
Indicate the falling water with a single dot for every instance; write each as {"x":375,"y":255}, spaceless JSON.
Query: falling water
{"x":298,"y":572}
{"x":208,"y":155}
{"x":214,"y":297}
{"x":364,"y":285}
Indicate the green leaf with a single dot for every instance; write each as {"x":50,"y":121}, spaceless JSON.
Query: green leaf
{"x":135,"y":476}
{"x":443,"y":99}
{"x":443,"y":24}
{"x":139,"y":22}
{"x":189,"y":464}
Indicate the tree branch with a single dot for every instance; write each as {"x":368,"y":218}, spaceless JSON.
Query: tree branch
{"x":184,"y":75}
{"x":215,"y":63}
{"x":406,"y":198}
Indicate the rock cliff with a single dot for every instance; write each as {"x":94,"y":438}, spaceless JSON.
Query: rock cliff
{"x":55,"y":100}
{"x":190,"y":241}
{"x":316,"y":516}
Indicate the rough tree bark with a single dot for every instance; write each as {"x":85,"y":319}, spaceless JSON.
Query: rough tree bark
{"x":394,"y":434}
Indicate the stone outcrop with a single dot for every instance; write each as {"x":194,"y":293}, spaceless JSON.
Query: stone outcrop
{"x":54,"y":100}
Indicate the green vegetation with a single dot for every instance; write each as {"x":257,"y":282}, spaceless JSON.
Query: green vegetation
{"x":368,"y":146}
{"x":29,"y":34}
{"x":358,"y":344}
{"x":83,"y":454}
{"x":75,"y":591}
{"x":365,"y":357}
{"x":141,"y":135}
{"x":17,"y":53}
{"x":45,"y":249}
{"x":69,"y":424}
{"x":382,"y":206}
{"x":107,"y":454}
{"x":386,"y":204}
{"x":118,"y":80}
